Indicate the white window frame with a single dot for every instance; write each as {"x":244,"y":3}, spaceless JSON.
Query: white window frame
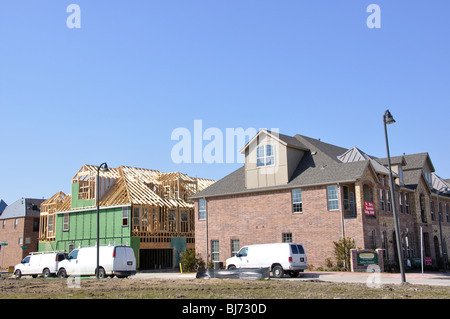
{"x":202,"y":209}
{"x":50,"y":224}
{"x":265,"y":155}
{"x":66,"y":222}
{"x":332,"y":201}
{"x":234,"y":247}
{"x":297,"y":202}
{"x":215,"y":250}
{"x":125,"y":216}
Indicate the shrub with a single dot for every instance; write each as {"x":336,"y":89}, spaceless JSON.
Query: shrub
{"x":342,"y":252}
{"x":190,"y":260}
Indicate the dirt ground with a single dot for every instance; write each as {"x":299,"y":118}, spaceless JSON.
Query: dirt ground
{"x":136,"y":288}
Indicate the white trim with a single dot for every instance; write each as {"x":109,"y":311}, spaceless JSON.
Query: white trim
{"x":91,"y":208}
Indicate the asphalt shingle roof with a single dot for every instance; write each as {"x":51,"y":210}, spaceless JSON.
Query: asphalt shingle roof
{"x":320,"y":165}
{"x":18,"y":208}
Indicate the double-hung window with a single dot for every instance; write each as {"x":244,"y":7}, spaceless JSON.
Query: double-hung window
{"x":265,"y":155}
{"x":407,"y":203}
{"x":234,"y":247}
{"x":214,"y":250}
{"x":297,"y":205}
{"x":202,"y":209}
{"x":124,"y":216}
{"x":388,"y":201}
{"x":332,"y":196}
{"x":66,"y":222}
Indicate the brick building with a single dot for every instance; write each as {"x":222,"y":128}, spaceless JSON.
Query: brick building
{"x":19,"y":228}
{"x":299,"y":189}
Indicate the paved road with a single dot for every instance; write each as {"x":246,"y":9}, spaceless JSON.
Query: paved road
{"x":438,"y":279}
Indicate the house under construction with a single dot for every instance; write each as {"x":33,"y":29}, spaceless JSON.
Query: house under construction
{"x":143,"y":208}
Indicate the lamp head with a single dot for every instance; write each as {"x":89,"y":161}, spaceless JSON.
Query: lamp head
{"x":388,"y":118}
{"x":104,"y":167}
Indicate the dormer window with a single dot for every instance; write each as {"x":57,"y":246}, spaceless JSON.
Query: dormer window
{"x":265,"y":155}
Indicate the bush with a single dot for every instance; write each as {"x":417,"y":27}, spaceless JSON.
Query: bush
{"x":190,"y":261}
{"x":342,"y":252}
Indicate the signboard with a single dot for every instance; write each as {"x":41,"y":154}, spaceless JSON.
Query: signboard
{"x":369,"y":208}
{"x":366,"y":257}
{"x":428,"y":261}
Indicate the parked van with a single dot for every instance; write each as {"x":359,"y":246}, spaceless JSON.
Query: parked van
{"x":280,"y":258}
{"x":39,"y":263}
{"x":117,"y":261}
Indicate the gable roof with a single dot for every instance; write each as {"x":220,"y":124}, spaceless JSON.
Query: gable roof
{"x":355,"y":155}
{"x":411,"y":161}
{"x":286,"y":140}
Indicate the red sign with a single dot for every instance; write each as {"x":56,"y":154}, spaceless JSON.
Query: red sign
{"x":369,"y":208}
{"x":428,"y":261}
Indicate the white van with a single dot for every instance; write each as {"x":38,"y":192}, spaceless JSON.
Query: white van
{"x":39,"y":263}
{"x":117,"y":261}
{"x":281,"y":258}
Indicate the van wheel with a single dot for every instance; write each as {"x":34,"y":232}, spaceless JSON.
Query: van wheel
{"x":101,"y":273}
{"x":62,"y":273}
{"x":46,"y":273}
{"x":18,"y":274}
{"x":278,"y":271}
{"x":231,"y":267}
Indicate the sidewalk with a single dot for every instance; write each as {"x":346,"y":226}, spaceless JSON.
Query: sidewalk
{"x":438,"y":279}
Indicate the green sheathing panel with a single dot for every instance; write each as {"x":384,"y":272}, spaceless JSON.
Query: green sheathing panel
{"x":47,"y":246}
{"x":80,"y":203}
{"x":179,"y":245}
{"x":135,"y":243}
{"x":83,"y":229}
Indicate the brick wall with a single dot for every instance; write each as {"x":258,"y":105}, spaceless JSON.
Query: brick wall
{"x":13,"y":253}
{"x":264,"y":217}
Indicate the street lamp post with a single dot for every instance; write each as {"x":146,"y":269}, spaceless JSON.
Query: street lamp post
{"x":104,"y":168}
{"x":388,"y":119}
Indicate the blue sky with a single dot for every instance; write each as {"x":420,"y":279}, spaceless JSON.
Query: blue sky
{"x":115,"y":89}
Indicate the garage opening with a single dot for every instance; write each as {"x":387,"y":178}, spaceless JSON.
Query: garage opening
{"x":161,"y":258}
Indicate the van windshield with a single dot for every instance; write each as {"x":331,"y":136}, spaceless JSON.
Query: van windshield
{"x":243,"y":252}
{"x":73,"y":254}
